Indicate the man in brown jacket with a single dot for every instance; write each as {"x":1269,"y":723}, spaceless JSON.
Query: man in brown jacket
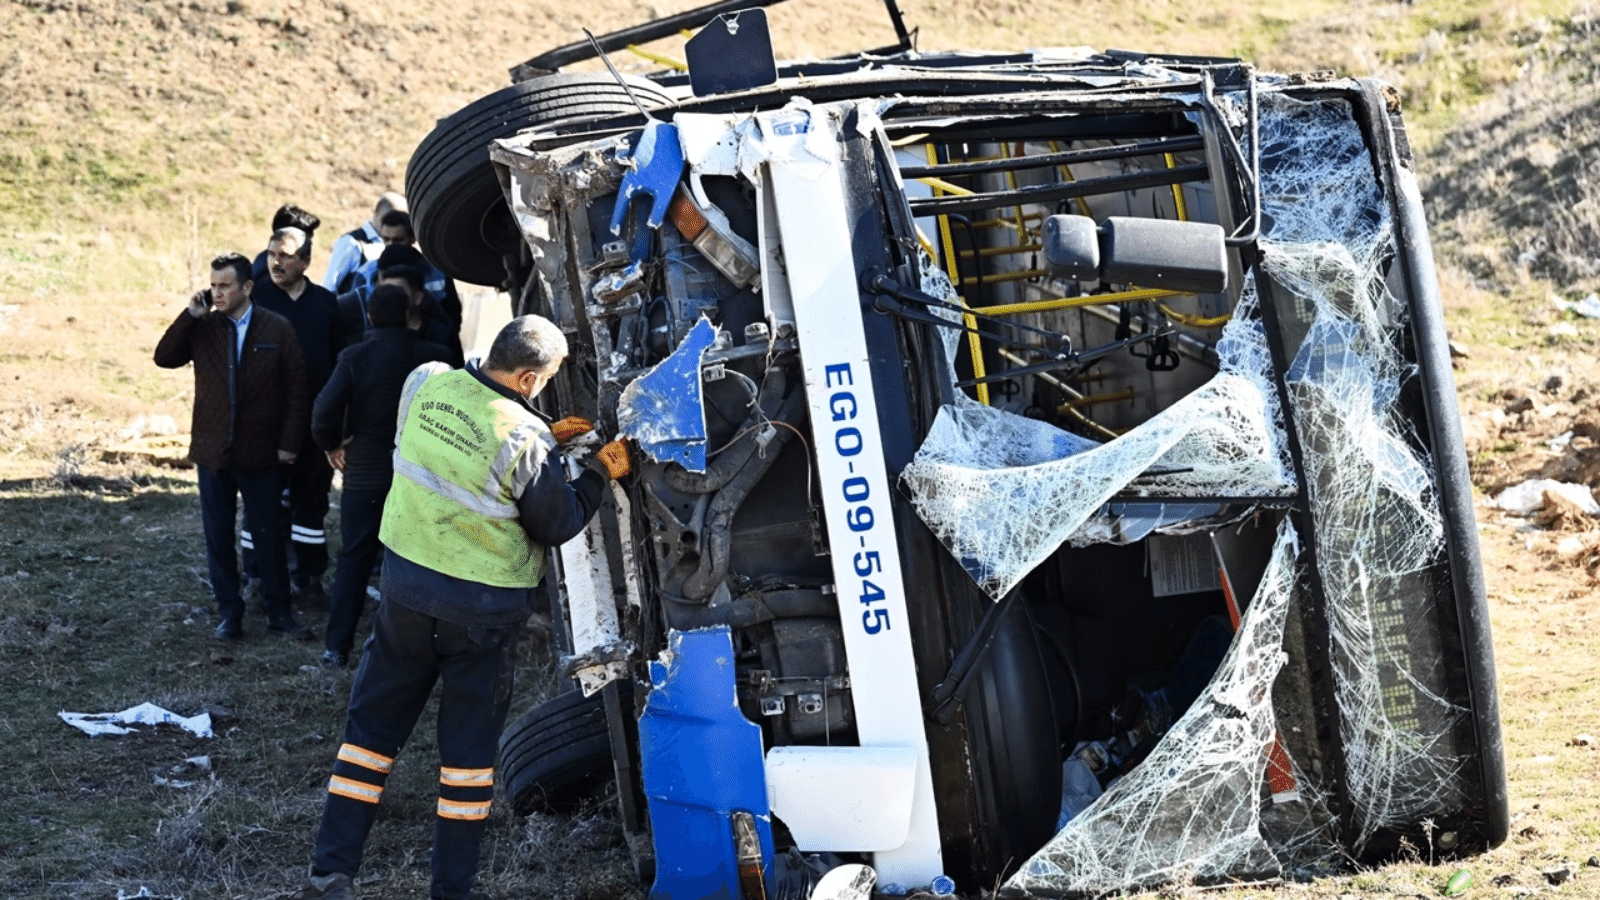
{"x":250,"y":412}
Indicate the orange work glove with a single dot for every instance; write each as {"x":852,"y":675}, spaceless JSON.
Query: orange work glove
{"x":614,"y":456}
{"x":570,"y":427}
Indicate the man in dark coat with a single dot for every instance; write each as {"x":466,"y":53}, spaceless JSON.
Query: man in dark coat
{"x":353,"y":421}
{"x":249,"y":418}
{"x":401,"y":265}
{"x":314,"y":313}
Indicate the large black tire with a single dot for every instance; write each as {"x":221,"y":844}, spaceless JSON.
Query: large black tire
{"x":556,"y":755}
{"x":1014,"y":744}
{"x":457,"y":207}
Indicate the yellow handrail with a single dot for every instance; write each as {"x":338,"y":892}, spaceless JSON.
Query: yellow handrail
{"x":658,"y":59}
{"x":1134,"y":296}
{"x":1177,"y":191}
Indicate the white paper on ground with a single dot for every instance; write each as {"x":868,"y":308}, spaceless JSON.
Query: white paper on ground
{"x":143,"y":714}
{"x":1527,"y":498}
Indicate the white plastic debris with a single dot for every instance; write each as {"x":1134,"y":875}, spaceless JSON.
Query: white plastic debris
{"x":194,"y":765}
{"x":1527,"y":498}
{"x":144,"y":894}
{"x":96,"y":724}
{"x":1572,"y":545}
{"x":1588,"y":307}
{"x":852,"y":881}
{"x":143,"y":426}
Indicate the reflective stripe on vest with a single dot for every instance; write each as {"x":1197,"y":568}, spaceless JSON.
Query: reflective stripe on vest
{"x":452,"y":503}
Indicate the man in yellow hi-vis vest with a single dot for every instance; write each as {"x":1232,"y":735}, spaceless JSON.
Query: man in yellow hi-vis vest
{"x":478,"y":495}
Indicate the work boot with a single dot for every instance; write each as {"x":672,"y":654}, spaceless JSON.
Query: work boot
{"x":311,"y":594}
{"x":337,"y":886}
{"x":289,"y":627}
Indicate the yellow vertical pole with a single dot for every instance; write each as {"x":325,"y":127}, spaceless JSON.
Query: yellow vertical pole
{"x":953,"y":268}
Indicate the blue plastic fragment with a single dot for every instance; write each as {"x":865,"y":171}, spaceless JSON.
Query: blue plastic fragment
{"x":663,"y":409}
{"x":657,"y":169}
{"x":701,"y":761}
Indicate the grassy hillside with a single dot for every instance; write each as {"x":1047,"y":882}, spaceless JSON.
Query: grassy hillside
{"x":139,"y":136}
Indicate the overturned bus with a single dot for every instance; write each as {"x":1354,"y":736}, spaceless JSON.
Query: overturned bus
{"x":1047,"y":467}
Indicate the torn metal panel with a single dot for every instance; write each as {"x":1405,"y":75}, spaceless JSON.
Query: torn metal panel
{"x":702,"y":767}
{"x":599,"y":654}
{"x":664,"y":410}
{"x":654,"y":163}
{"x":547,"y":193}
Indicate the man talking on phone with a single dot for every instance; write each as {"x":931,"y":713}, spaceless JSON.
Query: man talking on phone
{"x":250,"y":412}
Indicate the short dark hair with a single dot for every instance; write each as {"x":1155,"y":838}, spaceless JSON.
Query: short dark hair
{"x":298,"y":233}
{"x":395,"y":217}
{"x":526,"y":342}
{"x":399,"y":255}
{"x":387,"y":306}
{"x":411,"y":275}
{"x":236,"y":262}
{"x":291,"y":216}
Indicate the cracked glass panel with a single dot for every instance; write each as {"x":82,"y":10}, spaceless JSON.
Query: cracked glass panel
{"x":1203,"y":807}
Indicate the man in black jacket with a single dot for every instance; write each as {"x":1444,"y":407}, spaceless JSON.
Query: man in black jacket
{"x":314,"y":313}
{"x":353,"y":422}
{"x":404,"y":265}
{"x":424,"y":315}
{"x":249,"y":418}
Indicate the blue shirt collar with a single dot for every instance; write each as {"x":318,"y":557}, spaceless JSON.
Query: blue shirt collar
{"x":240,"y":326}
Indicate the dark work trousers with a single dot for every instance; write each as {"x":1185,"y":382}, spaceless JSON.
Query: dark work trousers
{"x":220,"y":490}
{"x":306,"y":483}
{"x":405,"y":655}
{"x":360,"y":513}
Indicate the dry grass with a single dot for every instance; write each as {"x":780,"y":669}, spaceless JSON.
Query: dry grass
{"x":140,"y":138}
{"x":105,"y":605}
{"x":1515,"y":185}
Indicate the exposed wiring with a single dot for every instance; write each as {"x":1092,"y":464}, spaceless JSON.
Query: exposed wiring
{"x":763,"y":424}
{"x":807,"y":455}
